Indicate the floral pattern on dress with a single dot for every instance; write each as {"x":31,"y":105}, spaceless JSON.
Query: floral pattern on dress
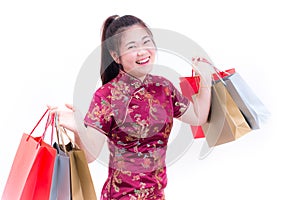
{"x":137,"y":118}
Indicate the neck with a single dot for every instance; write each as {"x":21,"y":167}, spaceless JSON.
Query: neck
{"x":141,"y":78}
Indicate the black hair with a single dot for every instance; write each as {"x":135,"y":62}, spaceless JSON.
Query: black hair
{"x":112,"y":26}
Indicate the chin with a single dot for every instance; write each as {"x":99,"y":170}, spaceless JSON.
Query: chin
{"x":141,"y":71}
{"x":146,"y":69}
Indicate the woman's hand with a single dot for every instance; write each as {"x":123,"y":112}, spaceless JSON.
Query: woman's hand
{"x":205,"y":68}
{"x":89,"y":139}
{"x":65,"y":117}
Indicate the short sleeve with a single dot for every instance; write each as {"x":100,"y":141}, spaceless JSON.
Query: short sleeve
{"x":180,"y":102}
{"x":99,"y":115}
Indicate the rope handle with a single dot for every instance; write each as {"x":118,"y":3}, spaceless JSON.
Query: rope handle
{"x":60,"y":130}
{"x":59,"y":134}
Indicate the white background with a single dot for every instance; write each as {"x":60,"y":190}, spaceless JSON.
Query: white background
{"x":44,"y":43}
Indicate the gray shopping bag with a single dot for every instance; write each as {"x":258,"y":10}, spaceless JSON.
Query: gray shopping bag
{"x":254,"y":111}
{"x":60,"y":187}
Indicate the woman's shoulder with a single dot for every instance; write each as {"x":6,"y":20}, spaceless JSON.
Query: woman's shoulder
{"x":103,"y":91}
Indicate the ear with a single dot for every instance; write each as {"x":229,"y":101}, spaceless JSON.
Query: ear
{"x":115,"y":56}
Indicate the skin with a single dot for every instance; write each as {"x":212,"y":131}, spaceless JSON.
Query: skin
{"x":137,"y":52}
{"x":137,"y":55}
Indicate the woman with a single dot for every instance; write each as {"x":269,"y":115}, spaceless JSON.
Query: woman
{"x":135,"y":111}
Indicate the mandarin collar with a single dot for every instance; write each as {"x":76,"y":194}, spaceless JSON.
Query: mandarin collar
{"x":132,"y":81}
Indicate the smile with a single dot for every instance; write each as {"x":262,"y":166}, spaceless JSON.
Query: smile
{"x":143,"y":61}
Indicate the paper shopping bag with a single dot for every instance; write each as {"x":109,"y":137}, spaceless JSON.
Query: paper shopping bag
{"x":31,"y":172}
{"x":250,"y":105}
{"x":226,"y":123}
{"x":82,"y":186}
{"x":81,"y":182}
{"x":60,"y":187}
{"x":197,"y":132}
{"x":190,"y":86}
{"x":222,"y":74}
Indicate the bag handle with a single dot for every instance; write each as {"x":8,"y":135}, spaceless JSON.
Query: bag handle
{"x":69,"y":138}
{"x":59,"y":135}
{"x":40,"y":121}
{"x":60,"y":130}
{"x":50,"y":121}
{"x":219,"y":72}
{"x":200,"y":59}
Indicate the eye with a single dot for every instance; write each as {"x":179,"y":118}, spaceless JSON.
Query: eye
{"x":131,"y":46}
{"x":147,"y":41}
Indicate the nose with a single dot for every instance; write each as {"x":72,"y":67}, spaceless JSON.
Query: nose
{"x":141,"y":51}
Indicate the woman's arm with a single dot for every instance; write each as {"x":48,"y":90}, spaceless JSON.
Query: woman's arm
{"x":197,"y":112}
{"x":87,"y":138}
{"x":90,"y":141}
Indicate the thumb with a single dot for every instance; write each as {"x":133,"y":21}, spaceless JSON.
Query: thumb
{"x":70,"y":106}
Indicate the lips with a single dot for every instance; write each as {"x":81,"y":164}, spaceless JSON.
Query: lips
{"x":143,"y":61}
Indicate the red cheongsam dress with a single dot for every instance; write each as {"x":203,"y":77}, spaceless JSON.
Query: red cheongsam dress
{"x":137,"y":118}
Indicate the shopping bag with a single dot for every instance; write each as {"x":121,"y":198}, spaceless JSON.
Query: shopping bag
{"x":31,"y":172}
{"x":254,"y":111}
{"x":222,"y":74}
{"x":60,"y":187}
{"x":226,"y":122}
{"x":82,"y":186}
{"x":250,"y":105}
{"x":190,"y":86}
{"x":61,"y":182}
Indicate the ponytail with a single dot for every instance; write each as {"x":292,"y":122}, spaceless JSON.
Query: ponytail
{"x":109,"y":68}
{"x":112,"y":26}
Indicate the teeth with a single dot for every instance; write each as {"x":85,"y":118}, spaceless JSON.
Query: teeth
{"x":143,"y":61}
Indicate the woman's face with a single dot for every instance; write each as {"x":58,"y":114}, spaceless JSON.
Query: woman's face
{"x":137,"y":51}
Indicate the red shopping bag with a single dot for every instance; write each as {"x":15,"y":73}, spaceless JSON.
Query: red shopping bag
{"x":197,"y":132}
{"x":222,"y":74}
{"x":31,"y":172}
{"x":190,"y":86}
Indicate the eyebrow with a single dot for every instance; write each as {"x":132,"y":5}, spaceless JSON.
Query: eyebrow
{"x":132,"y":42}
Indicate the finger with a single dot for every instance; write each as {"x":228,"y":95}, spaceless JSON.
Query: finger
{"x":70,"y":106}
{"x":51,"y":107}
{"x":52,"y":110}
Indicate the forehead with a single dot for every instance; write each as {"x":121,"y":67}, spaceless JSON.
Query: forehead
{"x":134,"y":33}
